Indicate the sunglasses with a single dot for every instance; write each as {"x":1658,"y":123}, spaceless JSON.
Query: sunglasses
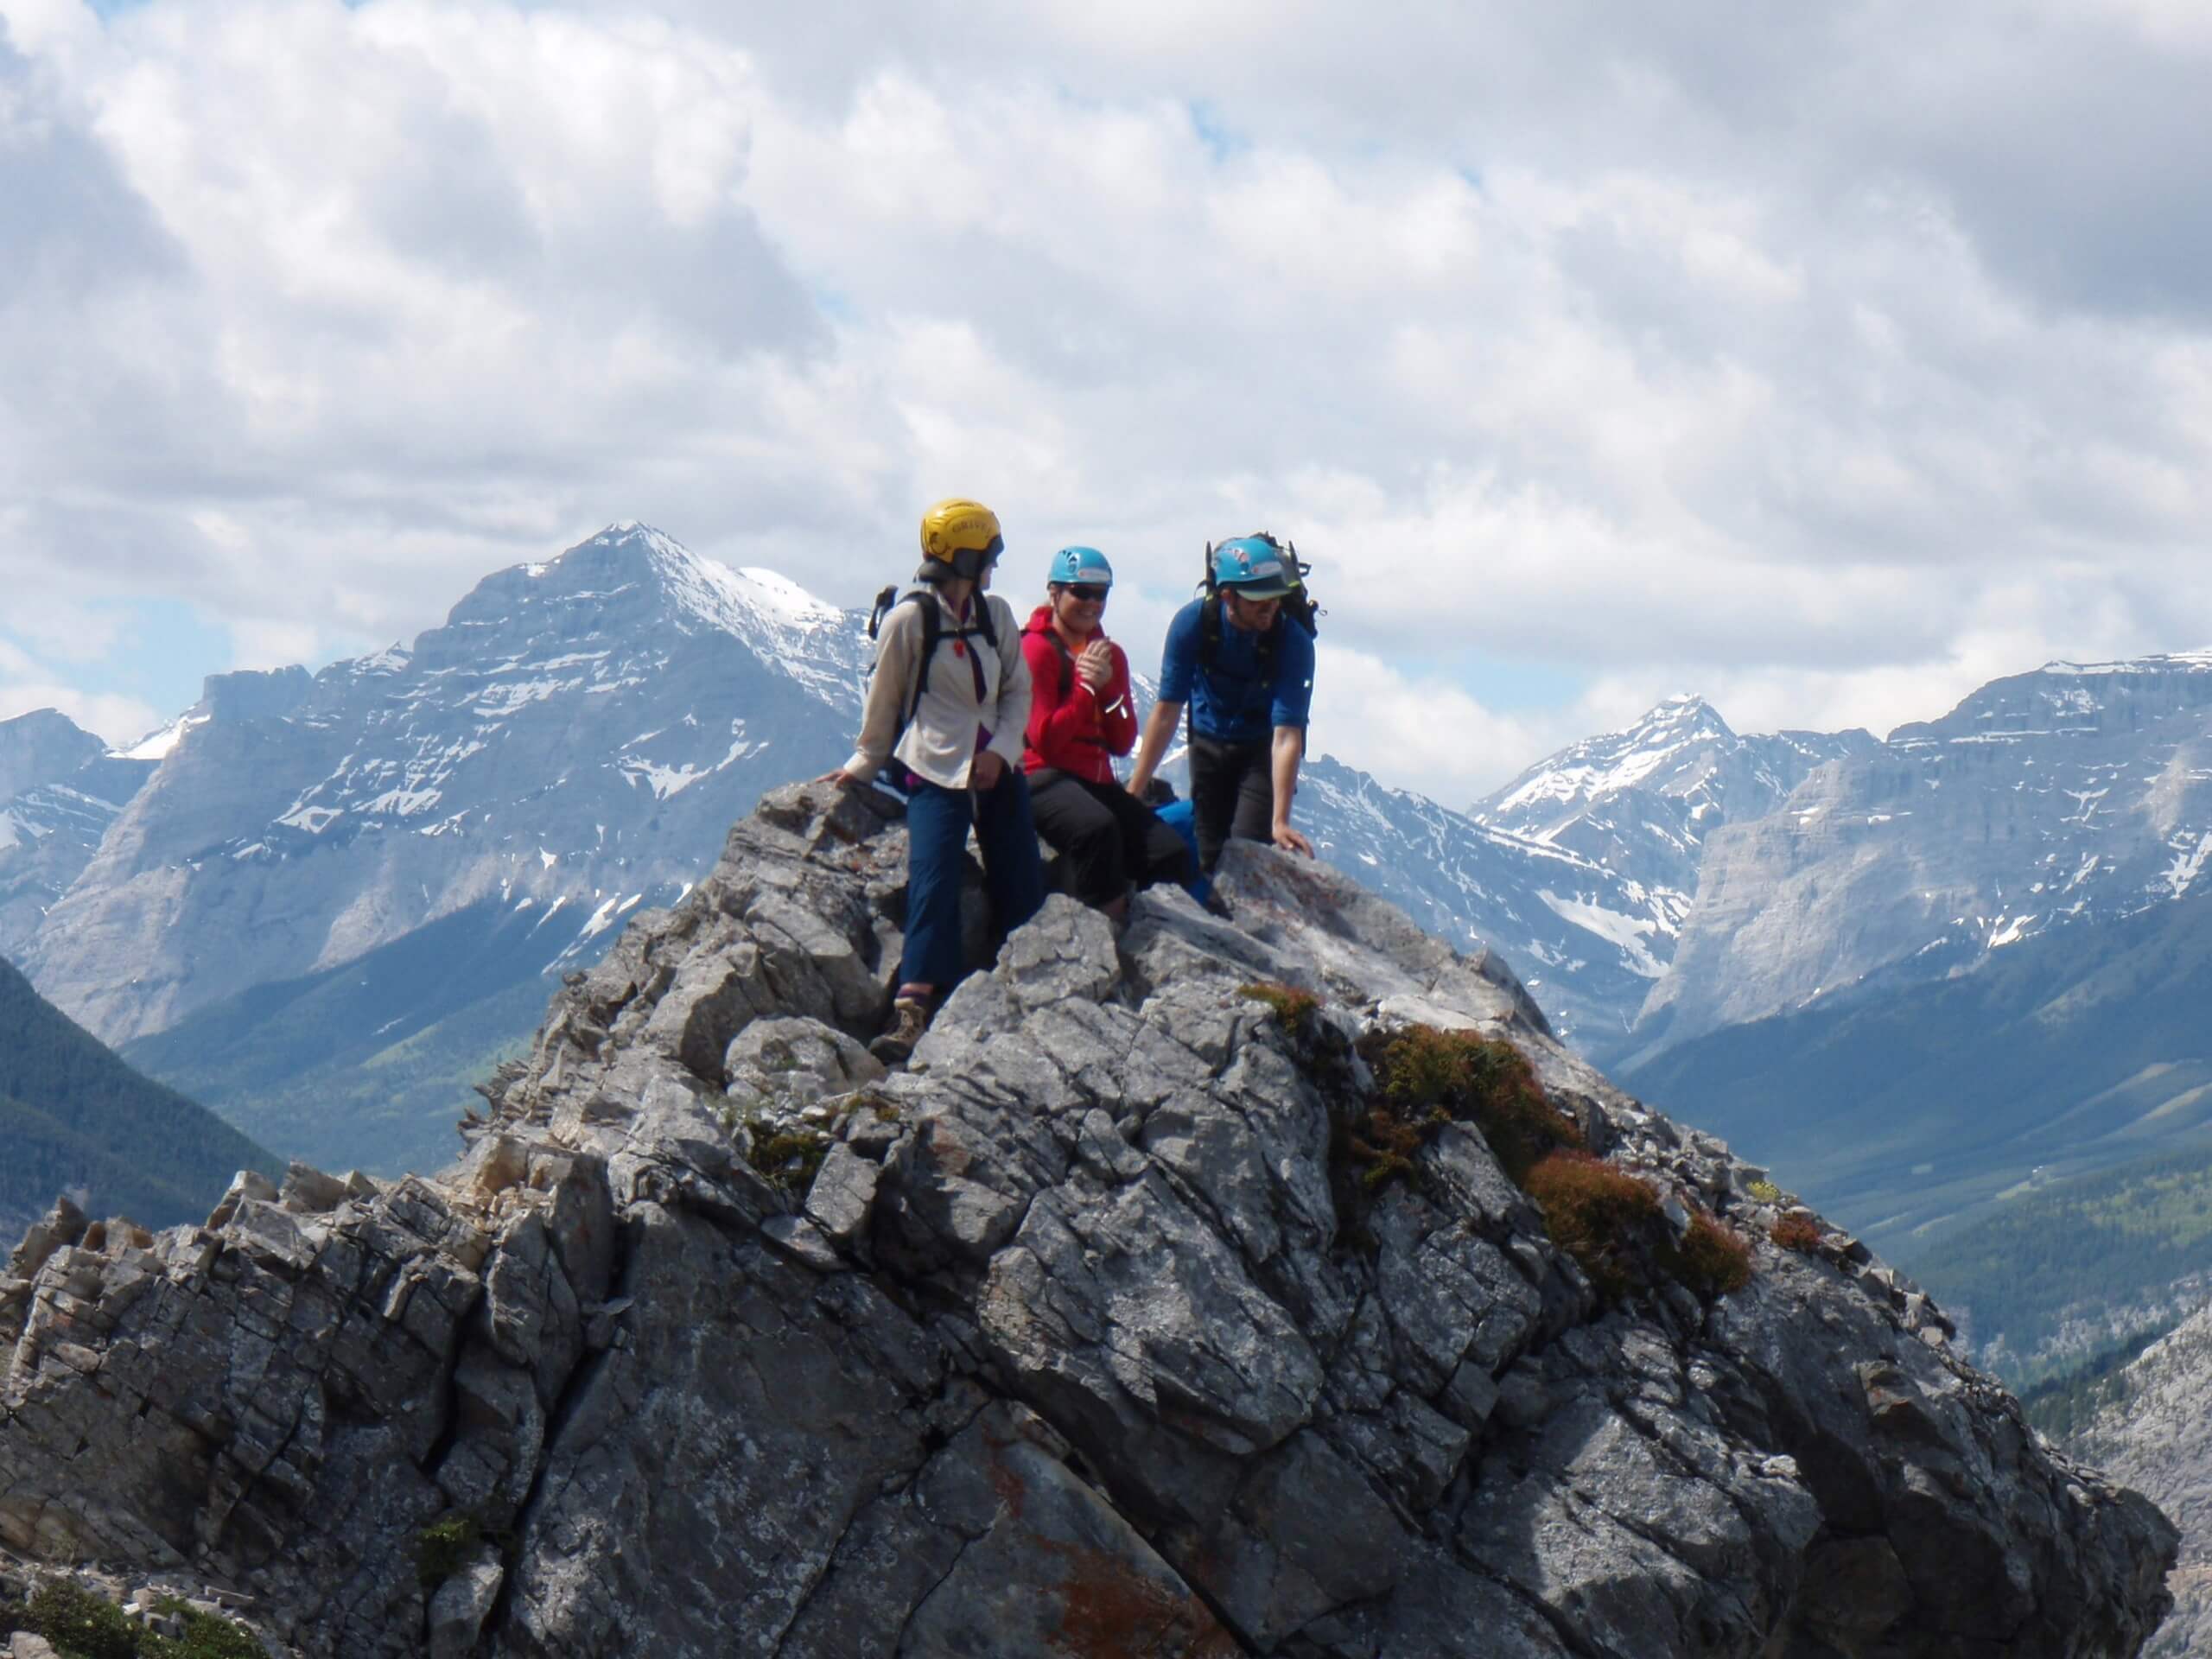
{"x":1086,"y":590}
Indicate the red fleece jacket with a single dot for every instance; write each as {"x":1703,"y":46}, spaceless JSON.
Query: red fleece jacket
{"x":1080,"y":731}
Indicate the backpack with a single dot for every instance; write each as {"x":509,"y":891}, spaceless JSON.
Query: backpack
{"x":932,"y":631}
{"x":1297,"y":606}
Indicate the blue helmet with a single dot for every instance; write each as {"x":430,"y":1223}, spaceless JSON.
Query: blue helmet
{"x":1255,"y":566}
{"x":1084,"y":564}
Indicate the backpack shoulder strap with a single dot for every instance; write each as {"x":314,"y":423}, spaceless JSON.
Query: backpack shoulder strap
{"x":1210,"y":631}
{"x":932,"y":628}
{"x":1067,"y":662}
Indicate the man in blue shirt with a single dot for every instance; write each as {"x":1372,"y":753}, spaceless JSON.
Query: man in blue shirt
{"x":1246,"y":671}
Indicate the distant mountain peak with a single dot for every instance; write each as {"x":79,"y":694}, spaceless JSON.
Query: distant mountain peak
{"x":1602,"y":765}
{"x":736,"y":600}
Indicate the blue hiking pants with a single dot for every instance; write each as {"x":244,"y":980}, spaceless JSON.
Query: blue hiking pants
{"x":938,"y":820}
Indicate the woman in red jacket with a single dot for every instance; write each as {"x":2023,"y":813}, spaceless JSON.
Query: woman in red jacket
{"x":1081,"y":715}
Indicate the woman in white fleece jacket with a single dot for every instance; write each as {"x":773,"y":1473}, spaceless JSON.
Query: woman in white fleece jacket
{"x":953,"y":726}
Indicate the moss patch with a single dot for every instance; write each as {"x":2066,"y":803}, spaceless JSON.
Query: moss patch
{"x":1764,"y":1192}
{"x":443,"y":1547}
{"x":1292,"y":1006}
{"x":789,"y":1158}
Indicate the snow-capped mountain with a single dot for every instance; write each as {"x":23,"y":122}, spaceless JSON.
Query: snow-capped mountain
{"x":2078,"y":792}
{"x":1585,"y":937}
{"x":59,"y":789}
{"x":573,"y":740}
{"x":1636,"y":806}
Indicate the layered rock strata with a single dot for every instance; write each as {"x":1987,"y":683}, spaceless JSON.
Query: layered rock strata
{"x":1077,"y":1336}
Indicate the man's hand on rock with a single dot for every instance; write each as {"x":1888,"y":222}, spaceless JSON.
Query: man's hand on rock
{"x":1291,"y":842}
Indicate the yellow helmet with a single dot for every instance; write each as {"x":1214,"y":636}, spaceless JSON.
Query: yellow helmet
{"x":959,"y":538}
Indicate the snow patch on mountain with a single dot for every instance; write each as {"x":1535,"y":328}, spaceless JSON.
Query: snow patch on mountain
{"x":158,"y":744}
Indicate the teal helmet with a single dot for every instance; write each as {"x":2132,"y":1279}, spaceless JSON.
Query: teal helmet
{"x":1255,"y":567}
{"x":1084,"y":564}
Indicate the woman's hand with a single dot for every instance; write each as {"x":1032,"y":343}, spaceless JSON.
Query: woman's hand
{"x":1291,"y":842}
{"x":1096,"y":666}
{"x":842,"y":778}
{"x":988,"y":767}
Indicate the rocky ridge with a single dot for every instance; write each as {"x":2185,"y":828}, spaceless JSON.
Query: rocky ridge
{"x":1092,"y":1331}
{"x":2157,"y":1434}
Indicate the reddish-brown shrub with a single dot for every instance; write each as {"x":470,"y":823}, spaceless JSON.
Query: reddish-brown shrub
{"x":1290,"y":1003}
{"x":1711,"y":1259}
{"x":1598,"y":1213}
{"x":1800,"y":1233}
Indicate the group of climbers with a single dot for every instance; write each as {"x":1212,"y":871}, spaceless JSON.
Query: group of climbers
{"x":1014,"y":731}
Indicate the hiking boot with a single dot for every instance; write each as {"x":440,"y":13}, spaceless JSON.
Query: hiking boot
{"x":910,"y":1018}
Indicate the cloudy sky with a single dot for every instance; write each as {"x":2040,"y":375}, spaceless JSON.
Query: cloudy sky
{"x":1827,"y":359}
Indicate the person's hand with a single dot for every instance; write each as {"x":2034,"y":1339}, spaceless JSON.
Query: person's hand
{"x":989,"y":767}
{"x":1291,"y":842}
{"x":1094,"y":668}
{"x":841,"y":777}
{"x":1138,"y":782}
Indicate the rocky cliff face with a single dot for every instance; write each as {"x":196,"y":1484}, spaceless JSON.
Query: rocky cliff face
{"x":1154,"y":1308}
{"x":2077,"y":792}
{"x":2157,"y":1434}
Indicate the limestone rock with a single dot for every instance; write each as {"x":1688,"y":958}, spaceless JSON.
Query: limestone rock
{"x":1084,"y":1332}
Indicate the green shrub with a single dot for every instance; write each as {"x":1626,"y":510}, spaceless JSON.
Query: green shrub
{"x":789,"y":1158}
{"x":206,"y":1636}
{"x":82,"y":1624}
{"x":443,"y":1547}
{"x":1764,"y":1192}
{"x":1292,"y":1006}
{"x":1431,"y":1076}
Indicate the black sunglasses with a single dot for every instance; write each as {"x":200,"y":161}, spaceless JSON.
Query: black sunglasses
{"x":1087,"y":590}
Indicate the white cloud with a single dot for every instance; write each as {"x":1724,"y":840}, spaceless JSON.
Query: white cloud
{"x":26,"y":684}
{"x":1805,"y":358}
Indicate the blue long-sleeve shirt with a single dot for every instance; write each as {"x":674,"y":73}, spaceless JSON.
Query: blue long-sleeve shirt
{"x":1229,"y":703}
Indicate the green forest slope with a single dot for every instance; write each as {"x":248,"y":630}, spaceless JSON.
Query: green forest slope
{"x":74,"y":1118}
{"x":2059,"y":1282}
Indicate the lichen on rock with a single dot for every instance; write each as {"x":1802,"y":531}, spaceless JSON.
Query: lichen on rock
{"x":1075,"y":1339}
